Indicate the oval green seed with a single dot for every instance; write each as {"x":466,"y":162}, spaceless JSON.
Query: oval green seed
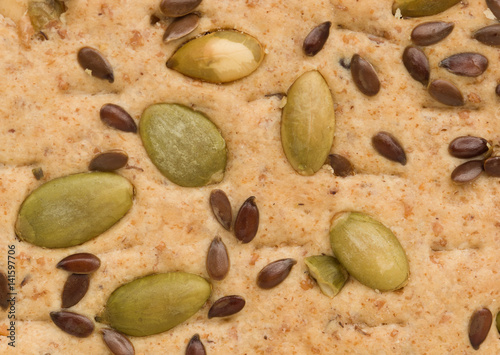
{"x":218,"y":57}
{"x":419,"y":8}
{"x":308,"y":123}
{"x":369,"y":251}
{"x":183,"y":144}
{"x":42,"y":12}
{"x":73,"y":209}
{"x":155,"y":303}
{"x":328,"y":273}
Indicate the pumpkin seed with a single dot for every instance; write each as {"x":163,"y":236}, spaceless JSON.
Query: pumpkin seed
{"x":43,"y":12}
{"x":218,"y":57}
{"x":93,"y":60}
{"x":183,"y":144}
{"x":74,"y":290}
{"x":328,"y":273}
{"x":446,"y":93}
{"x":178,"y":8}
{"x":217,"y":260}
{"x":73,"y":209}
{"x":479,"y":326}
{"x":466,"y":147}
{"x":308,"y":123}
{"x":489,"y":35}
{"x":341,"y":165}
{"x":275,"y":273}
{"x":369,"y":251}
{"x":117,"y":343}
{"x":316,"y":39}
{"x":492,"y":166}
{"x":389,"y":147}
{"x":4,"y":291}
{"x":80,"y":263}
{"x":109,"y":161}
{"x":195,"y":346}
{"x":181,"y":27}
{"x":221,"y":207}
{"x":226,"y":306}
{"x":246,"y":223}
{"x":494,"y":6}
{"x":73,"y":323}
{"x":364,"y":76}
{"x":420,"y":8}
{"x":465,"y":64}
{"x":37,"y":173}
{"x":428,"y":33}
{"x":155,"y":303}
{"x":467,"y":172}
{"x":115,"y":116}
{"x":417,"y":64}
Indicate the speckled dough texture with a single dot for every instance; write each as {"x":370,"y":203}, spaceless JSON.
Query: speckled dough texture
{"x":49,"y":118}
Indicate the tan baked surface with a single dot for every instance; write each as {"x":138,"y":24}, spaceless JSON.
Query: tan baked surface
{"x":49,"y":118}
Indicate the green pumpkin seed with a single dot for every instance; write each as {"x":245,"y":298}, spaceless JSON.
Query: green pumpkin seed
{"x":218,"y":57}
{"x":183,"y":144}
{"x":155,"y":303}
{"x":42,"y":12}
{"x":369,"y":251}
{"x":308,"y":123}
{"x":328,"y":273}
{"x":420,"y":8}
{"x":73,"y":209}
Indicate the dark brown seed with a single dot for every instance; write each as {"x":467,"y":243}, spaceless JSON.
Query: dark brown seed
{"x":116,"y":117}
{"x":217,"y":260}
{"x":195,"y":346}
{"x":465,"y":64}
{"x":181,"y":27}
{"x":494,"y":6}
{"x":109,"y":161}
{"x":389,"y":147}
{"x":468,"y":147}
{"x":417,"y":64}
{"x":117,"y":343}
{"x":316,"y":39}
{"x":489,"y":35}
{"x":93,"y":60}
{"x":178,"y":8}
{"x":221,"y":208}
{"x":274,"y":273}
{"x":428,"y":33}
{"x":80,"y":263}
{"x":75,"y":288}
{"x":446,"y":93}
{"x":479,"y":326}
{"x":73,"y":323}
{"x":492,"y":166}
{"x":4,"y":291}
{"x":38,"y":173}
{"x":467,"y":172}
{"x":364,"y":76}
{"x":247,"y":221}
{"x":341,"y":165}
{"x":226,"y":306}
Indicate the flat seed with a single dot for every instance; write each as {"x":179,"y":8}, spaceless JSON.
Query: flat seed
{"x":308,"y":123}
{"x":466,"y":147}
{"x":43,"y":12}
{"x":275,"y":273}
{"x":74,"y":290}
{"x":316,"y":39}
{"x":417,"y":64}
{"x":37,"y":173}
{"x":341,"y":165}
{"x":489,"y":35}
{"x":364,"y":76}
{"x":328,"y":273}
{"x":492,"y":166}
{"x":428,"y":33}
{"x":369,"y":251}
{"x":226,"y":306}
{"x":91,"y":59}
{"x":221,"y":208}
{"x":4,"y":291}
{"x":117,"y":343}
{"x":195,"y":346}
{"x":465,"y":64}
{"x":109,"y":161}
{"x":446,"y":93}
{"x":183,"y":144}
{"x":246,"y":223}
{"x":181,"y":27}
{"x":115,"y":116}
{"x":73,"y":323}
{"x":389,"y":147}
{"x":80,"y":263}
{"x":217,"y":260}
{"x":467,"y":172}
{"x":218,"y":57}
{"x":419,"y":8}
{"x":494,"y":6}
{"x":479,"y":326}
{"x":178,"y":8}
